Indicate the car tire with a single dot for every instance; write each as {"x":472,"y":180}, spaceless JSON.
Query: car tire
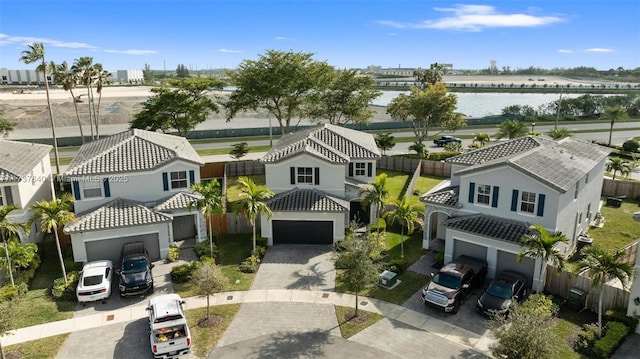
{"x":456,"y":308}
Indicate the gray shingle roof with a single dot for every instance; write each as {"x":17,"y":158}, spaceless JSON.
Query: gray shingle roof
{"x":447,"y":196}
{"x":179,"y":200}
{"x":306,"y":200}
{"x":117,"y":214}
{"x":558,"y":164}
{"x":332,"y":143}
{"x":130,"y":151}
{"x":17,"y":159}
{"x":489,"y":226}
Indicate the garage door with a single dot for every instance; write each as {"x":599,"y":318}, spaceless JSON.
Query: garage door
{"x":510,"y":261}
{"x":110,"y":248}
{"x":183,"y":227}
{"x":469,"y":249}
{"x":302,"y":232}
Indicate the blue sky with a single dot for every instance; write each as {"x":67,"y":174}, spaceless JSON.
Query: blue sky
{"x":203,"y":34}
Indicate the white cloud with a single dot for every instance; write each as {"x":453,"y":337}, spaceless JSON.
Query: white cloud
{"x":598,"y":49}
{"x":133,"y":52}
{"x":282,"y":38}
{"x":230,"y":51}
{"x":475,"y":18}
{"x":26,"y":40}
{"x":564,"y":51}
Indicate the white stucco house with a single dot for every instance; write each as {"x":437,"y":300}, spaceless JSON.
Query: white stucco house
{"x":133,"y":186}
{"x":25,"y":178}
{"x":495,"y":193}
{"x":316,"y":175}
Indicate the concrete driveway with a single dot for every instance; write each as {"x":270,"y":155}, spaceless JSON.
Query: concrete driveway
{"x":297,"y":267}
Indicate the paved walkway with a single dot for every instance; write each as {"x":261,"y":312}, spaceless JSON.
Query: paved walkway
{"x":428,"y":325}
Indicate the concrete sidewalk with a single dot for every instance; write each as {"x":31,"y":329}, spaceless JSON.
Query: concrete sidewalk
{"x":409,"y":317}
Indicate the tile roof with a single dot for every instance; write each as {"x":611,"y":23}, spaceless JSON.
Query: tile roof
{"x":447,"y":196}
{"x":329,"y":142}
{"x":489,"y":226}
{"x":558,"y":164}
{"x":306,"y":200}
{"x":117,"y":214}
{"x":180,"y":200}
{"x":129,"y":151}
{"x":18,"y":159}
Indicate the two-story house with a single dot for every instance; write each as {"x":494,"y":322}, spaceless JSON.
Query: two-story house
{"x":316,"y":175}
{"x":133,"y":186}
{"x":495,"y":193}
{"x":25,"y":178}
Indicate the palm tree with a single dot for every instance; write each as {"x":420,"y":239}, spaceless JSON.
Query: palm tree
{"x":603,"y":266}
{"x":9,"y":229}
{"x":406,"y":216}
{"x":558,"y":133}
{"x":101,"y":80}
{"x":210,"y":202}
{"x":512,"y":129}
{"x":376,"y":193}
{"x":542,"y":245}
{"x":613,"y":114}
{"x":252,"y":204}
{"x":64,"y":76}
{"x":481,"y":138}
{"x":83,"y":67}
{"x":617,"y":164}
{"x":420,"y":149}
{"x":52,"y":215}
{"x":36,"y":54}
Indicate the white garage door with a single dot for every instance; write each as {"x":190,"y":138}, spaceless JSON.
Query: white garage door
{"x":469,"y":249}
{"x":110,"y":248}
{"x":509,"y":261}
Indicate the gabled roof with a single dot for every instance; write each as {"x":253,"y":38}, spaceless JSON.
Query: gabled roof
{"x":329,"y":142}
{"x":130,"y":151}
{"x":180,"y":200}
{"x":558,"y":164}
{"x":489,"y":226}
{"x":447,"y":196}
{"x":117,"y":214}
{"x":306,"y":200}
{"x":18,"y":159}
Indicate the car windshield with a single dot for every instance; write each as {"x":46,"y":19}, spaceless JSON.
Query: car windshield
{"x":92,"y":280}
{"x":447,"y":280}
{"x":134,"y":265}
{"x":500,"y":291}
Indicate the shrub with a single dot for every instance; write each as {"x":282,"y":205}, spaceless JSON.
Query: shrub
{"x":440,"y":156}
{"x":398,"y":265}
{"x":439,"y":257}
{"x":182,"y":272}
{"x":9,"y":292}
{"x":260,"y":252}
{"x":381,"y":226}
{"x":174,"y":253}
{"x":631,"y":145}
{"x":65,"y":291}
{"x":620,"y":315}
{"x":203,"y":249}
{"x":616,"y":332}
{"x":249,"y":264}
{"x":26,"y":274}
{"x":584,"y":343}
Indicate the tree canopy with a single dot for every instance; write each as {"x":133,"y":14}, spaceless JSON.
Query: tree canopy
{"x":181,"y":107}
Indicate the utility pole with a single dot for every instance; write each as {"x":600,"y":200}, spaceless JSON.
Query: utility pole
{"x":559,"y":105}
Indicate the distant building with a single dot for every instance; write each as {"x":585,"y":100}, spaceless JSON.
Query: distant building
{"x":22,"y":77}
{"x":127,"y":76}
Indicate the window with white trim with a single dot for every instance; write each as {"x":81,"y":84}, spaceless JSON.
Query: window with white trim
{"x":361,"y":169}
{"x":178,"y":179}
{"x":305,"y":175}
{"x":91,"y":189}
{"x":528,"y":202}
{"x":484,"y":194}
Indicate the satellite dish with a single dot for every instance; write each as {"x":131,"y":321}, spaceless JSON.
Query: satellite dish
{"x":636,"y":216}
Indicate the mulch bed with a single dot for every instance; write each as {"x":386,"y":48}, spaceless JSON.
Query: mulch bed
{"x":212,"y":321}
{"x":351,"y":317}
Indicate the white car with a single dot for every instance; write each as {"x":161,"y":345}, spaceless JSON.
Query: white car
{"x":95,"y":281}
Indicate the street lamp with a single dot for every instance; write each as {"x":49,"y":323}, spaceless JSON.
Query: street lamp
{"x":533,"y":128}
{"x":559,"y":105}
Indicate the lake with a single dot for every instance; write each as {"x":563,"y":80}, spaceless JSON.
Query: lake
{"x":480,"y":104}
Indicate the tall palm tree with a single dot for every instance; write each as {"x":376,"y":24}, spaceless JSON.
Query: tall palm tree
{"x":616,"y":165}
{"x":102,"y":79}
{"x":84,"y":68}
{"x":36,"y":54}
{"x":65,"y":77}
{"x":211,"y":202}
{"x":252,"y":204}
{"x":376,"y":194}
{"x":602,"y":267}
{"x":512,"y":129}
{"x":614,"y":114}
{"x":542,"y":244}
{"x":407,"y":216}
{"x":52,"y":215}
{"x":9,"y":229}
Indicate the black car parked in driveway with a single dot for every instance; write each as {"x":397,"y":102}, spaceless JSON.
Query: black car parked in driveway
{"x":508,"y":287}
{"x":135,"y":270}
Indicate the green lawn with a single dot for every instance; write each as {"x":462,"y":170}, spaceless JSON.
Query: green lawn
{"x":619,"y":228}
{"x":349,"y":328}
{"x":397,"y":183}
{"x":204,"y":339}
{"x":37,"y":349}
{"x":234,"y":188}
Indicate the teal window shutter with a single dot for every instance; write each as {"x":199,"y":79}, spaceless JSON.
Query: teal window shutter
{"x":76,"y":190}
{"x":107,"y":189}
{"x":192,"y":177}
{"x":514,"y":200}
{"x":541,"y":198}
{"x":494,"y":200}
{"x":472,"y":191}
{"x":165,"y":181}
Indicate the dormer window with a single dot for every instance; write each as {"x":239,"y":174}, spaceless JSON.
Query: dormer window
{"x":360,"y":169}
{"x":92,"y":189}
{"x":484,"y":194}
{"x":528,"y":202}
{"x":179,"y":179}
{"x":305,"y":175}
